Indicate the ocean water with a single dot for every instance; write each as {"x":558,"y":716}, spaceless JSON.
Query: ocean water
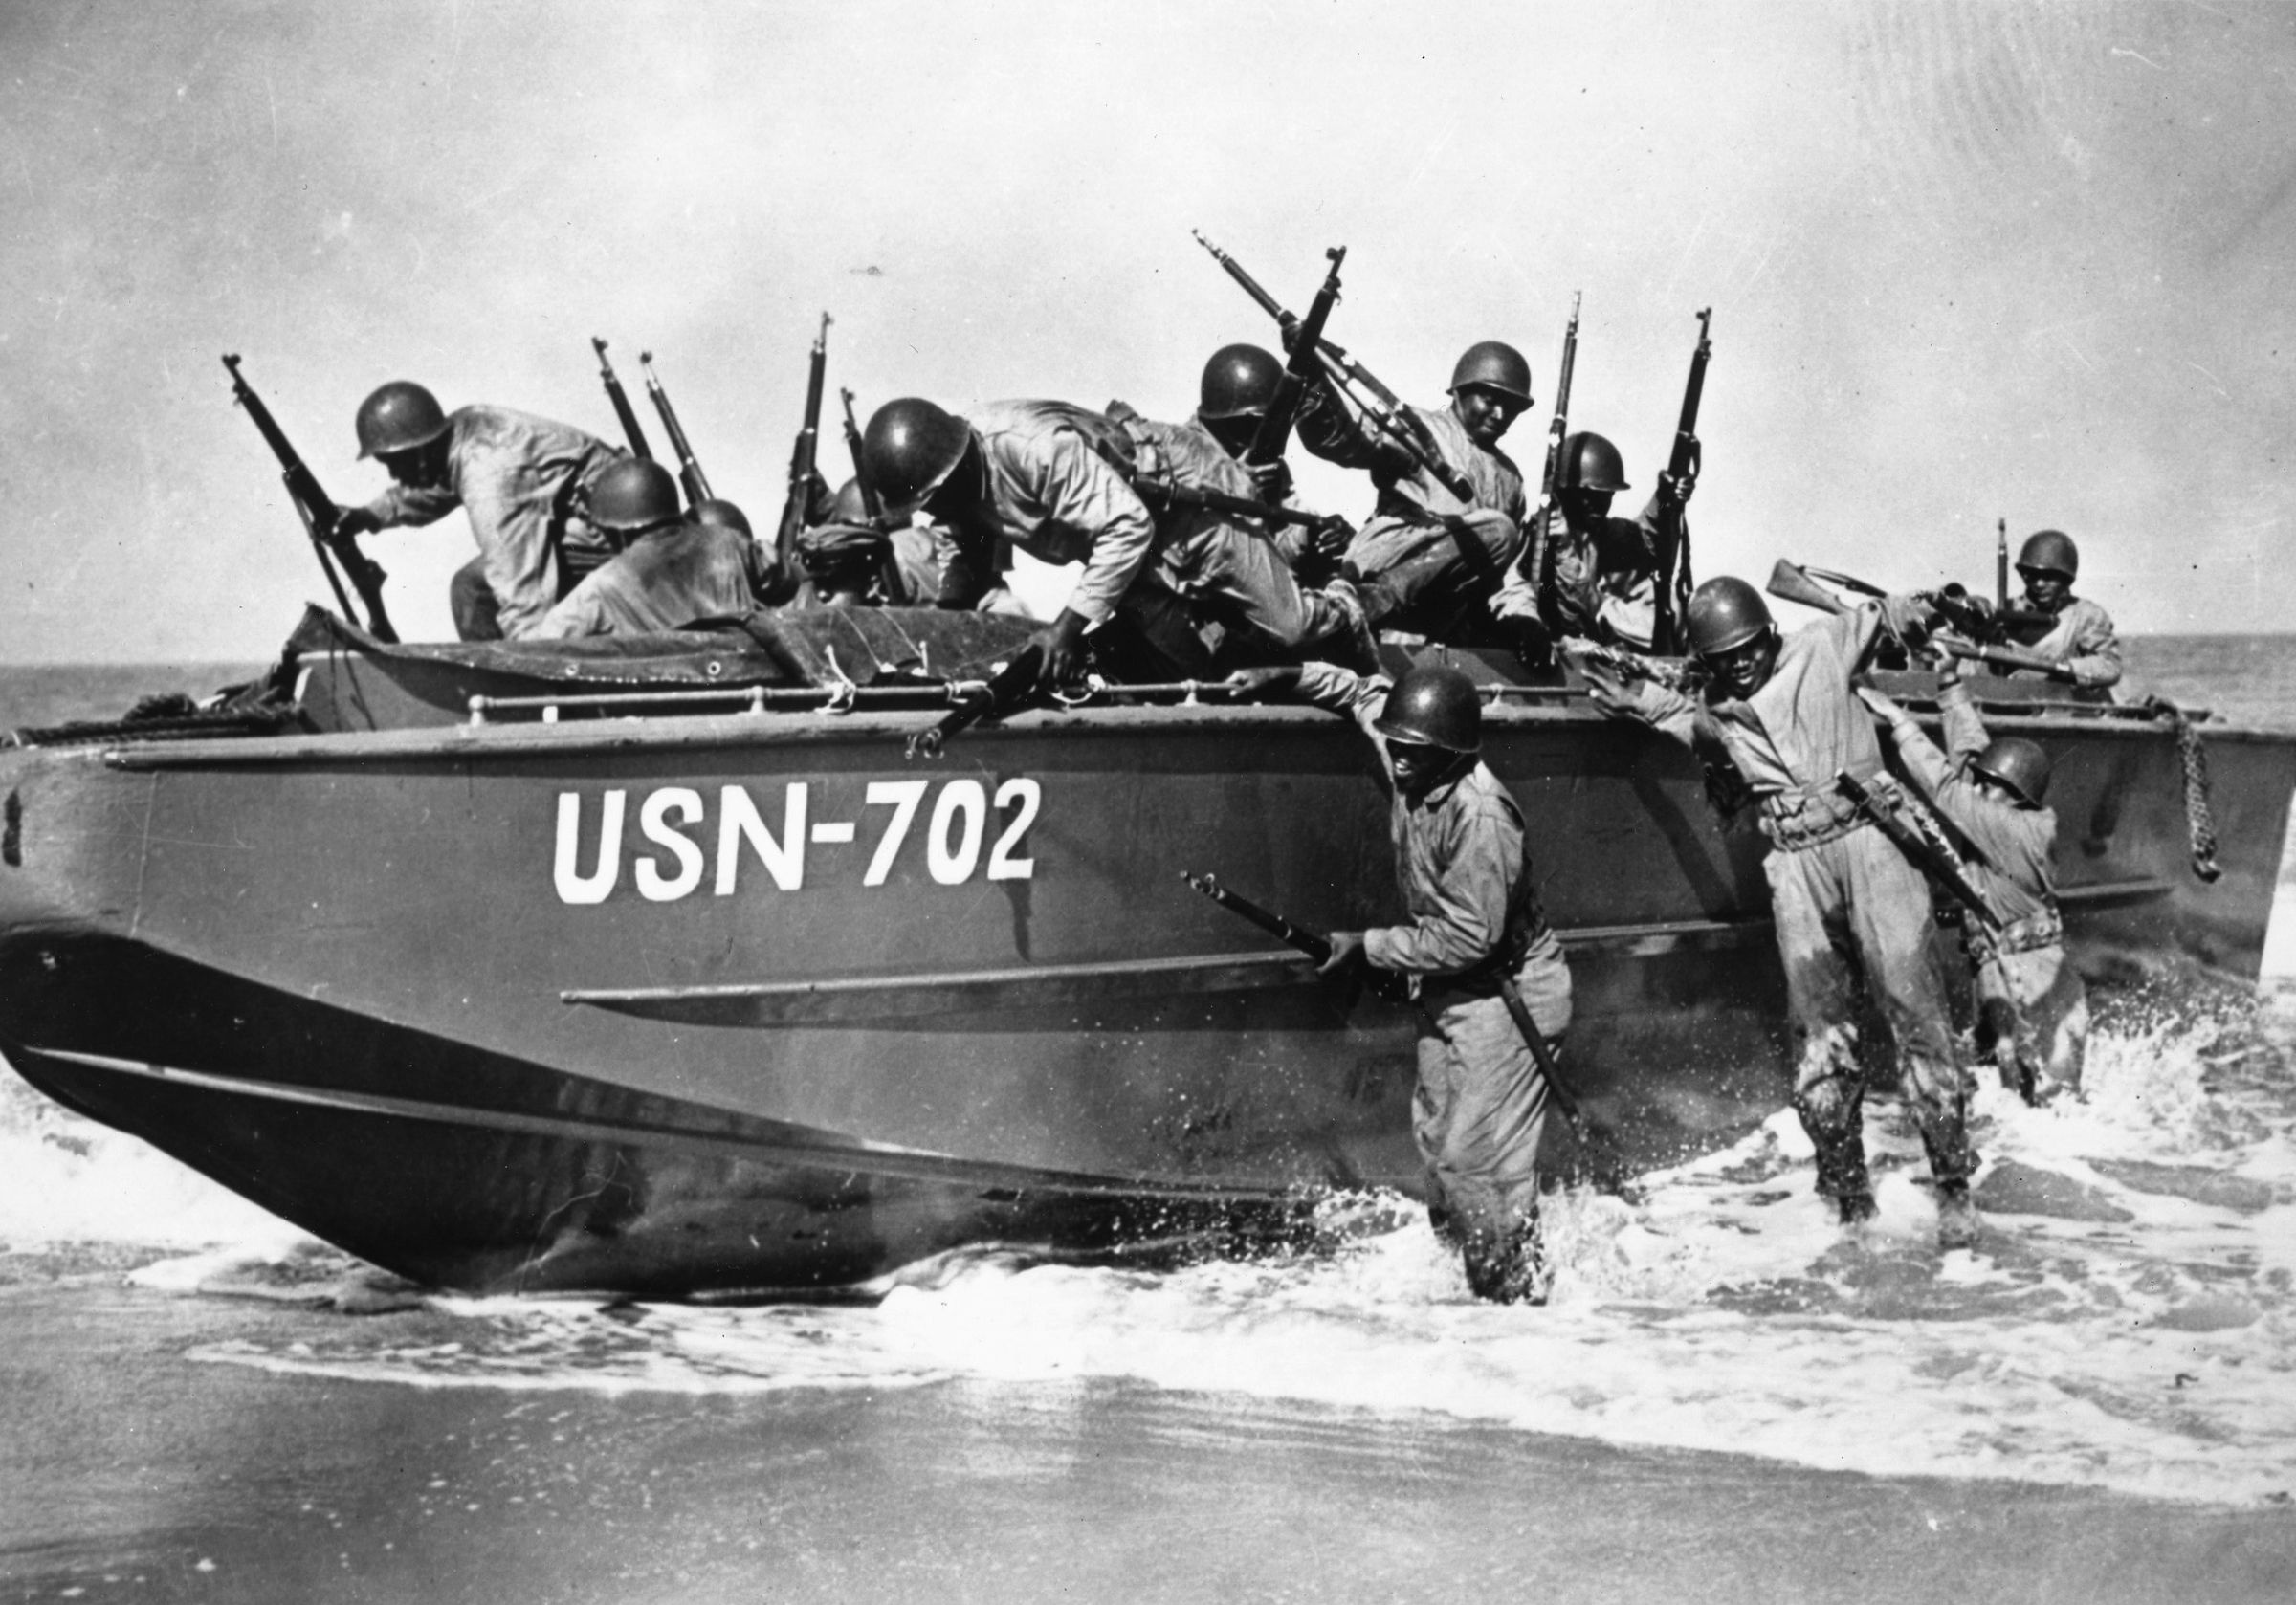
{"x":2098,"y":1402}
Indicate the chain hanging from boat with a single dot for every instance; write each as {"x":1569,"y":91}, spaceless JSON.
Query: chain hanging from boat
{"x":2200,"y":820}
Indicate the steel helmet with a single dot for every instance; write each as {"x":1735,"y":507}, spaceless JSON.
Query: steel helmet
{"x":724,"y":514}
{"x":2017,"y":763}
{"x":1495,"y":366}
{"x":1434,"y":707}
{"x":1725,"y":613}
{"x":910,"y":447}
{"x":1591,"y":463}
{"x":848,"y":506}
{"x":1239,"y":382}
{"x":399,"y":417}
{"x":631,"y":495}
{"x":2052,"y":552}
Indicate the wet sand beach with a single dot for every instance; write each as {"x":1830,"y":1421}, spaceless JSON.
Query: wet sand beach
{"x":136,"y":1473}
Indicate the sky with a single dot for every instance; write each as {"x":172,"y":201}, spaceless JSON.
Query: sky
{"x":2020,"y":261}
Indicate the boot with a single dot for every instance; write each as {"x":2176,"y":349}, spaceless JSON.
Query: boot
{"x":1857,"y":1209}
{"x":1957,"y":1222}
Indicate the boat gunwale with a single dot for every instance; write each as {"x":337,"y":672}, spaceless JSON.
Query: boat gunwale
{"x":741,"y":728}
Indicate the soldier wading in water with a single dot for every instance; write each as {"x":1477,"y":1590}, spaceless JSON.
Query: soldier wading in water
{"x":1474,"y":927}
{"x":1786,"y":714}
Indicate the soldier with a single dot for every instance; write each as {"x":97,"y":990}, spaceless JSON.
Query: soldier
{"x":524,"y":480}
{"x":2033,"y":1010}
{"x":666,"y":573}
{"x":1603,"y":574}
{"x":2074,"y":630}
{"x":1056,"y":482}
{"x":1239,"y":384}
{"x":1473,"y":928}
{"x":1786,"y":716}
{"x":1425,"y":561}
{"x":852,"y":560}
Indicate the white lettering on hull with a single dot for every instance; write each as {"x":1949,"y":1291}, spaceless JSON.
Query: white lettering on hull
{"x":673,"y":826}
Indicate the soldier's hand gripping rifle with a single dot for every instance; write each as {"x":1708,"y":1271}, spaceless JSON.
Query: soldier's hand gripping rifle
{"x":1797,"y":584}
{"x":1944,"y":871}
{"x":689,"y":471}
{"x":1379,"y":984}
{"x":1536,"y":567}
{"x":1394,"y":988}
{"x":1674,"y":588}
{"x":321,"y":519}
{"x":622,"y":410}
{"x":804,"y":458}
{"x":1303,"y":367}
{"x":1381,"y":407}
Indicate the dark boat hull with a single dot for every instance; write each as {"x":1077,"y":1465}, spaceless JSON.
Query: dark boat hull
{"x":809,"y":1012}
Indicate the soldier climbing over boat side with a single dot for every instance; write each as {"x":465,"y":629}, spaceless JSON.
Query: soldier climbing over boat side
{"x":1785,"y":713}
{"x":666,"y":573}
{"x":1057,"y":482}
{"x":1602,"y":574}
{"x":524,"y":480}
{"x":1473,"y":930}
{"x":2054,"y":623}
{"x":1428,"y":560}
{"x":2032,"y":1008}
{"x":1239,"y":384}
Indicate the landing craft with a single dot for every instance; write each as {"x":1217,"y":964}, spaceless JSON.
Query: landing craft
{"x":653,"y":967}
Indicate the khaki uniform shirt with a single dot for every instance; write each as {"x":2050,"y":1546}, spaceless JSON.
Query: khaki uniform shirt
{"x":518,"y":477}
{"x":2083,"y":640}
{"x":1459,"y":860}
{"x":1407,"y":491}
{"x":2019,"y":877}
{"x":1054,"y":495}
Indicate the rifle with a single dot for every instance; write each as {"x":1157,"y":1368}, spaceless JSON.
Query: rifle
{"x":1942,"y":871}
{"x":2000,"y":566}
{"x":1385,"y":984}
{"x":1798,"y":584}
{"x":1380,"y":406}
{"x":872,"y":506}
{"x":1542,"y":521}
{"x":1394,"y":988}
{"x":698,"y":484}
{"x":1302,"y":365}
{"x":1007,"y":692}
{"x":614,"y":393}
{"x":1674,"y":588}
{"x":802,"y":455}
{"x":322,"y":518}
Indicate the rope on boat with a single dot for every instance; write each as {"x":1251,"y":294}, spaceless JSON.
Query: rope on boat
{"x":2200,"y":820}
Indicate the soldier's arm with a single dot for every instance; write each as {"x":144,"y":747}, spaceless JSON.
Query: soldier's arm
{"x":1329,"y":429}
{"x":1079,"y":488}
{"x":405,"y":506}
{"x":1964,"y":729}
{"x":1929,"y":769}
{"x":578,"y":614}
{"x":1668,"y":710}
{"x":1469,"y":916}
{"x":2096,"y":657}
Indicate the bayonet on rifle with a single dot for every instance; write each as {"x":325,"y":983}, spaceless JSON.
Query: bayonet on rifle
{"x":322,"y":518}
